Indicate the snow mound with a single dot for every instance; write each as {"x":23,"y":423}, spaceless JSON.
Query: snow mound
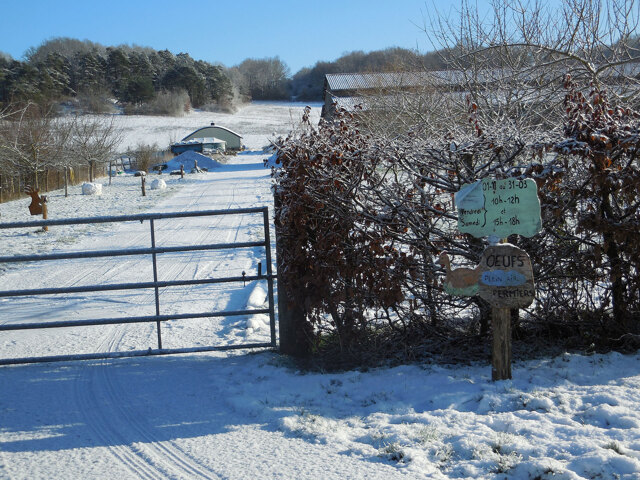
{"x":158,"y":184}
{"x":91,"y":188}
{"x":189,"y":159}
{"x":257,"y":300}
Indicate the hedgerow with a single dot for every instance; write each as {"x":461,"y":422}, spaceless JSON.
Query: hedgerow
{"x":362,"y":218}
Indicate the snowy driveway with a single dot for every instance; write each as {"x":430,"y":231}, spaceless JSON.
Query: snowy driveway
{"x":245,"y":183}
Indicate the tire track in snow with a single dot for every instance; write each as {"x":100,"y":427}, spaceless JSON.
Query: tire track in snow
{"x":91,"y":405}
{"x":97,"y":404}
{"x":103,"y":398}
{"x":103,"y":403}
{"x":163,"y":453}
{"x":149,"y":457}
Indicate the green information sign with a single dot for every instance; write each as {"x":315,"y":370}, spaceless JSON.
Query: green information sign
{"x":499,"y":208}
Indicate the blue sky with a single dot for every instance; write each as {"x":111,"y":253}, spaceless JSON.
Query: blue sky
{"x":300,"y":32}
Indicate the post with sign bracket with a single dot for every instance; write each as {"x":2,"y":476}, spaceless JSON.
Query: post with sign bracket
{"x":496,"y":209}
{"x":506,"y":282}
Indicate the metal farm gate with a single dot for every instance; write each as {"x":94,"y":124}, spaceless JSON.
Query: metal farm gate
{"x":154,"y":284}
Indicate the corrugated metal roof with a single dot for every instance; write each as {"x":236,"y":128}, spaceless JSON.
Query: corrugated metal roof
{"x":338,"y":82}
{"x":364,"y":81}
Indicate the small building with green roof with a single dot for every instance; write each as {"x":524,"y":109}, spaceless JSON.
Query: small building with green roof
{"x":233,"y":140}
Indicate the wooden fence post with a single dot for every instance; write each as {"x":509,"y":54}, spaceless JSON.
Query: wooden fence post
{"x":44,"y":212}
{"x":144,"y":192}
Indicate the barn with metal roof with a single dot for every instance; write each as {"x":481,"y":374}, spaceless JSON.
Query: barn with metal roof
{"x":348,"y":89}
{"x":233,"y":140}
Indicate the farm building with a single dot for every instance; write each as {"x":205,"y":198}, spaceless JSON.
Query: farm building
{"x":233,"y":140}
{"x":349,"y":89}
{"x":201,"y":145}
{"x":346,"y":90}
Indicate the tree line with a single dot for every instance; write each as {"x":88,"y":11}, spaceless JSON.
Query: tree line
{"x":37,"y":144}
{"x":92,"y":74}
{"x":308,"y":83}
{"x":145,"y":80}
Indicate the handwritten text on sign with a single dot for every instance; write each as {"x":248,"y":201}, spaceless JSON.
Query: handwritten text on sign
{"x":499,"y":207}
{"x":506,"y":280}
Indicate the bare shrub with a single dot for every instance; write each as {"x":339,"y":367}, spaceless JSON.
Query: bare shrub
{"x":99,"y":101}
{"x":592,"y":215}
{"x":361,"y":220}
{"x":173,"y":103}
{"x":225,"y":106}
{"x":143,"y":155}
{"x":339,"y":263}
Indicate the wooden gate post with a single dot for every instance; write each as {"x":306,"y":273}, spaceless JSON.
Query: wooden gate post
{"x":294,"y":339}
{"x":291,"y":321}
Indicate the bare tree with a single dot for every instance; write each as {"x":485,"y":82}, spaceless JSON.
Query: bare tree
{"x":93,"y":140}
{"x":143,"y":154}
{"x":264,"y":78}
{"x":32,"y":140}
{"x":511,"y":60}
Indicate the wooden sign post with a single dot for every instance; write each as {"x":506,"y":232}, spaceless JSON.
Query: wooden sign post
{"x":506,"y":282}
{"x":496,"y":209}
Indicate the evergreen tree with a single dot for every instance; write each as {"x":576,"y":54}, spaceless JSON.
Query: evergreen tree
{"x":55,"y":80}
{"x":90,"y":73}
{"x":187,"y":77}
{"x":139,"y":90}
{"x":118,"y":71}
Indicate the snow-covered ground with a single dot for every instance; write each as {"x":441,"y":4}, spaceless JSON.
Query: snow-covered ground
{"x":257,"y":123}
{"x":253,"y":415}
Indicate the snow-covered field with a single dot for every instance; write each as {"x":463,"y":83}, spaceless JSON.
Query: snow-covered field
{"x":257,"y":123}
{"x":253,"y":415}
